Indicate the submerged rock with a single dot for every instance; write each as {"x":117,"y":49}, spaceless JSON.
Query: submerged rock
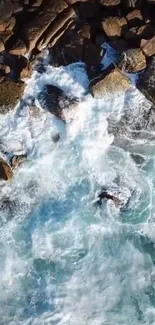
{"x":56,"y":101}
{"x":119,"y":195}
{"x":6,"y":172}
{"x":16,"y":160}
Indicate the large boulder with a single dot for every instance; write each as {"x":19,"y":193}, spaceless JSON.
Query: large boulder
{"x":6,"y":172}
{"x":132,"y":60}
{"x":113,"y":83}
{"x":10,"y":93}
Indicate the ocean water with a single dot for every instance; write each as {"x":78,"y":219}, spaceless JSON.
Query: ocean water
{"x":64,"y":260}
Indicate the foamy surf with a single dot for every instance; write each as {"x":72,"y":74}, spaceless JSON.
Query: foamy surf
{"x":64,"y":260}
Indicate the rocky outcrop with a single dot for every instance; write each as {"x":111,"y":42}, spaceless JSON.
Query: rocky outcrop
{"x":112,"y":84}
{"x":6,"y":172}
{"x":148,"y":46}
{"x":17,"y":160}
{"x":114,"y":26}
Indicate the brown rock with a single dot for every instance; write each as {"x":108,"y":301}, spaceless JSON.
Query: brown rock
{"x":6,"y":172}
{"x":114,"y":83}
{"x":36,"y":27}
{"x":5,"y":69}
{"x":26,"y":72}
{"x":71,"y":2}
{"x":10,"y":93}
{"x":2,"y":47}
{"x":135,"y":17}
{"x":17,"y":160}
{"x":57,"y":29}
{"x":37,"y":3}
{"x":113,"y":26}
{"x":17,"y":7}
{"x":145,"y":31}
{"x":18,"y":48}
{"x":11,"y":24}
{"x":132,"y":60}
{"x":148,"y":46}
{"x":110,"y":2}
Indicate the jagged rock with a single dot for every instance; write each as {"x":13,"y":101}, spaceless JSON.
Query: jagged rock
{"x":135,"y":18}
{"x":132,"y":60}
{"x":37,"y":3}
{"x":11,"y":24}
{"x":57,"y":29}
{"x":26,"y":71}
{"x":110,"y":2}
{"x":56,"y":101}
{"x":16,"y":160}
{"x":148,"y":46}
{"x":6,"y":172}
{"x":36,"y":27}
{"x":113,"y":83}
{"x":114,"y":26}
{"x":146,"y":82}
{"x":10,"y":93}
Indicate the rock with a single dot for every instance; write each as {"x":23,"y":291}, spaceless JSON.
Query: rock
{"x":10,"y":93}
{"x":119,"y":45}
{"x":56,"y":138}
{"x":37,"y":3}
{"x":57,"y":29}
{"x":18,"y":47}
{"x":16,"y":160}
{"x":113,"y":84}
{"x":55,"y":101}
{"x":6,"y":9}
{"x":135,"y":18}
{"x":71,"y":2}
{"x":26,"y":71}
{"x":11,"y":24}
{"x":5,"y":69}
{"x":146,"y":82}
{"x":6,"y":172}
{"x":2,"y":48}
{"x":148,"y":46}
{"x":105,"y":195}
{"x":110,"y":2}
{"x":92,"y":54}
{"x":36,"y":27}
{"x":114,"y":26}
{"x":100,"y":38}
{"x":132,"y":60}
{"x":17,"y":7}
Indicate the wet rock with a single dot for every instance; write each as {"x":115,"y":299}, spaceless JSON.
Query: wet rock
{"x":26,"y":71}
{"x":148,"y":46}
{"x":146,"y":82}
{"x":113,"y":83}
{"x":10,"y":93}
{"x":56,"y":101}
{"x":132,"y":60}
{"x":119,"y":195}
{"x":17,"y":160}
{"x":114,"y":26}
{"x":4,"y":69}
{"x":6,"y":10}
{"x":56,"y":138}
{"x":6,"y":172}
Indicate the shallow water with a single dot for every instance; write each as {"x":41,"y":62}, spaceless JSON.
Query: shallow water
{"x":63,"y":260}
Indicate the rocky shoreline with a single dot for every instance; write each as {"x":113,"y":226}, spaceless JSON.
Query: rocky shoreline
{"x":74,"y":31}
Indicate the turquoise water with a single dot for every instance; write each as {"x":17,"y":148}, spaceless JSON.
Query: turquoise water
{"x":64,"y":260}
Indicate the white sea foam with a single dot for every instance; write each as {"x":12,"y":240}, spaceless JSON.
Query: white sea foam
{"x":63,"y":260}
